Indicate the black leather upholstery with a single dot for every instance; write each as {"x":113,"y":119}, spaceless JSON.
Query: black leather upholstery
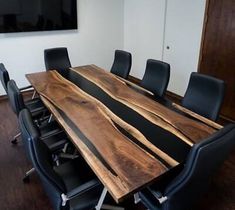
{"x":57,"y":59}
{"x":30,"y":134}
{"x":4,"y":76}
{"x":202,"y":162}
{"x":156,"y":77}
{"x":17,"y":103}
{"x":15,"y":97}
{"x":27,"y":126}
{"x":122,"y":63}
{"x":57,"y":179}
{"x":204,"y":95}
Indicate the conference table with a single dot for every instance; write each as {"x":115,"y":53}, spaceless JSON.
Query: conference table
{"x":127,"y":138}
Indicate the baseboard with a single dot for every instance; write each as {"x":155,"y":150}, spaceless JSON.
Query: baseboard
{"x":225,"y":120}
{"x":3,"y":97}
{"x":27,"y":93}
{"x":174,"y":97}
{"x":134,"y":79}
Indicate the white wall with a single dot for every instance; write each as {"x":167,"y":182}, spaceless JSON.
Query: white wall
{"x":143,"y":32}
{"x":100,"y":32}
{"x":183,"y":35}
{"x":105,"y":25}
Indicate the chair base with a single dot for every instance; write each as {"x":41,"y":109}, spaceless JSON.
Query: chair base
{"x":100,"y":205}
{"x":111,"y":207}
{"x":26,"y":178}
{"x":14,"y":141}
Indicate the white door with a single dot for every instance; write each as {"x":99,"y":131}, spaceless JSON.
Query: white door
{"x":183,"y":30}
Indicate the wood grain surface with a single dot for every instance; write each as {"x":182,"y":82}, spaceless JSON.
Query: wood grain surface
{"x":189,"y":130}
{"x":121,"y":165}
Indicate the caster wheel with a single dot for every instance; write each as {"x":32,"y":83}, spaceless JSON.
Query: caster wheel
{"x":14,"y":141}
{"x":26,"y":179}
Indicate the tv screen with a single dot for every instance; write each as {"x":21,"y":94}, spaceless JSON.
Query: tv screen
{"x":37,"y":15}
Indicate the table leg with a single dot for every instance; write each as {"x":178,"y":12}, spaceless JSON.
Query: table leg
{"x":137,"y":198}
{"x":34,"y":93}
{"x":101,"y":200}
{"x":50,"y":118}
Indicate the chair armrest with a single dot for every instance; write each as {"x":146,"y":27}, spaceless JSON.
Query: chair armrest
{"x":26,"y":87}
{"x":68,"y":156}
{"x":80,"y":190}
{"x":51,"y":133}
{"x":158,"y":195}
{"x":39,"y":109}
{"x":58,"y":144}
{"x":44,"y":118}
{"x":32,"y":101}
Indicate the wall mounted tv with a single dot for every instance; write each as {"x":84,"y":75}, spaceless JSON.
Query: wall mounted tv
{"x":37,"y":15}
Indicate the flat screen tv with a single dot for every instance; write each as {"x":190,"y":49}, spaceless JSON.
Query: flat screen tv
{"x":37,"y":15}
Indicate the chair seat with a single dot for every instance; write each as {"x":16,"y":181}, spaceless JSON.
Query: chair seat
{"x":52,"y":134}
{"x":36,"y":107}
{"x":56,"y":142}
{"x":49,"y":128}
{"x":72,"y":178}
{"x":31,"y":101}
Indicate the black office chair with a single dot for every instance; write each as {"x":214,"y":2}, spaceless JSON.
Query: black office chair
{"x":17,"y":103}
{"x":122,"y":63}
{"x":71,"y":185}
{"x":186,"y":188}
{"x":204,"y":95}
{"x":54,"y":138}
{"x":4,"y":76}
{"x":156,"y":77}
{"x":57,"y":59}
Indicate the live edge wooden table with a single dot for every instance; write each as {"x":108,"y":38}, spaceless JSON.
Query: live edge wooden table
{"x":128,"y":139}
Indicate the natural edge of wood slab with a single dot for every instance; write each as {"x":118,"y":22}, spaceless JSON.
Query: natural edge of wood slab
{"x":135,"y":86}
{"x":197,"y":116}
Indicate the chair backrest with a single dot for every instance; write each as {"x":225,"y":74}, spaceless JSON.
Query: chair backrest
{"x":4,"y":76}
{"x":122,"y":63}
{"x":28,"y":130}
{"x":41,"y":158}
{"x":15,"y":97}
{"x":203,"y":160}
{"x":204,"y":95}
{"x":156,"y":77}
{"x":57,"y":59}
